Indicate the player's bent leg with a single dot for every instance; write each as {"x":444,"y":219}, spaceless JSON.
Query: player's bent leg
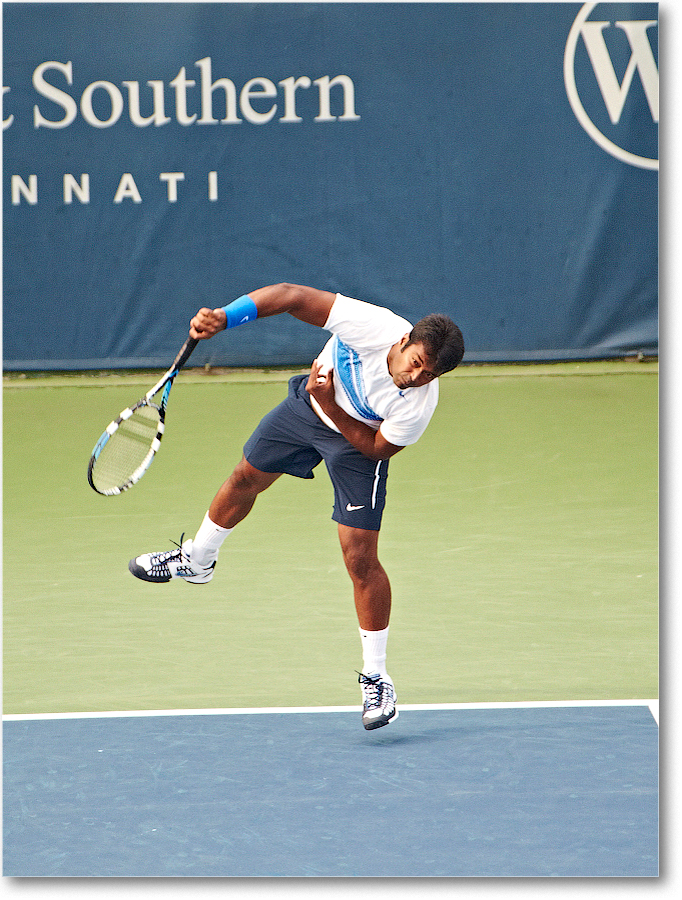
{"x":236,"y":497}
{"x":232,"y":503}
{"x":372,"y":594}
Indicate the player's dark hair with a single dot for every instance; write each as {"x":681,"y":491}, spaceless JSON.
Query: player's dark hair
{"x":442,"y":340}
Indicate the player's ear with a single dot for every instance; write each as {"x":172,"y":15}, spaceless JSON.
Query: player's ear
{"x":404,"y":341}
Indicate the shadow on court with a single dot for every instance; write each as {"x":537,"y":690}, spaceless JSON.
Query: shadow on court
{"x":511,"y":792}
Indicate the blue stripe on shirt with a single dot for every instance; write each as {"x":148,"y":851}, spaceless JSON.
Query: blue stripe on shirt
{"x":348,"y":369}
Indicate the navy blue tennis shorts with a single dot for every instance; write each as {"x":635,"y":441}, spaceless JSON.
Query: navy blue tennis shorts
{"x":292,"y":439}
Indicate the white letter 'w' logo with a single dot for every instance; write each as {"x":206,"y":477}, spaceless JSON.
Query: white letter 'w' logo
{"x":642,"y":59}
{"x":613,"y":93}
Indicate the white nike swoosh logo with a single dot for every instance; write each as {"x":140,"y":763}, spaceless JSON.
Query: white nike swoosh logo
{"x":351,"y":508}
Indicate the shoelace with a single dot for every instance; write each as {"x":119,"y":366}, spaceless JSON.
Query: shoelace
{"x":373,"y":688}
{"x":159,"y":560}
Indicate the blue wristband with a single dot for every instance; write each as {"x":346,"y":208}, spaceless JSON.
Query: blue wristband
{"x":240,"y":311}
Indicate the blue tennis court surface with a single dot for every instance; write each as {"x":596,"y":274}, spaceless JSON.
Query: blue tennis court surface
{"x":442,"y":792}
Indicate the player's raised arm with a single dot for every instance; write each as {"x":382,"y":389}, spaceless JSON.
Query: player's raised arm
{"x":305,"y":303}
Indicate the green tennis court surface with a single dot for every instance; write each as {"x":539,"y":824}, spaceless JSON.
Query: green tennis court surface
{"x":520,"y":537}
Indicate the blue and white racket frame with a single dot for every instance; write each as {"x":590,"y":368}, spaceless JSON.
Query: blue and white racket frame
{"x":165,"y":383}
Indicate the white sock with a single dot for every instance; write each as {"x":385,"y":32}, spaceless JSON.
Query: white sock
{"x":208,"y":541}
{"x":374,"y":651}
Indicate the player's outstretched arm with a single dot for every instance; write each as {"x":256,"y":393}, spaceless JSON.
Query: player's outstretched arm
{"x":305,"y":303}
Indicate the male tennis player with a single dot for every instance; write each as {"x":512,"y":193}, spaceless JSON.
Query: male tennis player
{"x":370,"y":393}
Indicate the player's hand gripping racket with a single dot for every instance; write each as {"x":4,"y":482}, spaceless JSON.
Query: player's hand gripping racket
{"x":126,"y":449}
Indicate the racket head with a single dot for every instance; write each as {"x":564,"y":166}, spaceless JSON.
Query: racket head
{"x":127,"y":448}
{"x":129,"y":444}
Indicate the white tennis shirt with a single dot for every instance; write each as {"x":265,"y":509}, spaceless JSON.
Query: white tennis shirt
{"x":362,"y":335}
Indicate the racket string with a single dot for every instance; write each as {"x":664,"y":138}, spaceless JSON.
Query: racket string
{"x":128,"y":448}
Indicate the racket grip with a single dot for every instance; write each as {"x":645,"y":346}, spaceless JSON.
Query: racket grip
{"x":185,"y":353}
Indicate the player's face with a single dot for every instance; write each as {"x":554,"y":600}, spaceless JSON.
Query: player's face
{"x":411,"y":366}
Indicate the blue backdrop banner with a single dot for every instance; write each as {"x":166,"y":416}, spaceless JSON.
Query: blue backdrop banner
{"x":496,"y":162}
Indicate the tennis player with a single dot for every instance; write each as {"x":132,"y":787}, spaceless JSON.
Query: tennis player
{"x":370,"y":393}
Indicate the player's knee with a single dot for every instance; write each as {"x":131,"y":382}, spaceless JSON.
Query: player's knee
{"x":361,"y":561}
{"x":248,"y":480}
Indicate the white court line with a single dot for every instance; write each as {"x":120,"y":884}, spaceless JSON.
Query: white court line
{"x":143,"y":713}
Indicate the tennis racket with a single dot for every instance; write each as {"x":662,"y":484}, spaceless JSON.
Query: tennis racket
{"x":129,"y":444}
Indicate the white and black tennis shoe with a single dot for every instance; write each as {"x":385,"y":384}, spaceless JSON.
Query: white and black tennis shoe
{"x":166,"y":565}
{"x":379,"y":700}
